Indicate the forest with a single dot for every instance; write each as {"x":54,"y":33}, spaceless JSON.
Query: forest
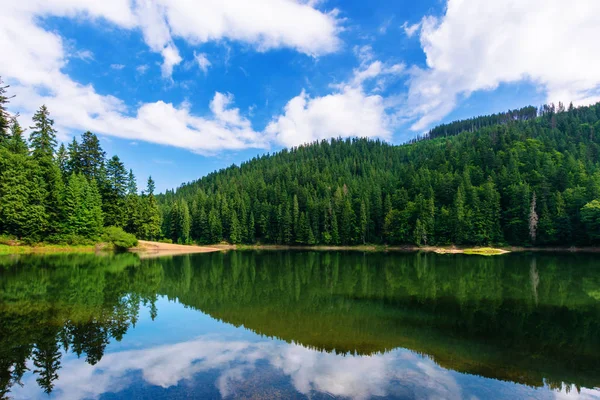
{"x":66,"y":194}
{"x":526,"y":178}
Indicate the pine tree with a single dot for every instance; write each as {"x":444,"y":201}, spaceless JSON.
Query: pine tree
{"x":5,"y":118}
{"x":62,"y":159}
{"x":151,"y":213}
{"x":43,"y":135}
{"x":91,"y":156}
{"x":364,"y":223}
{"x":115,"y":192}
{"x":22,"y":211}
{"x":184,"y":223}
{"x":132,"y":206}
{"x":251,"y":229}
{"x":236,"y":230}
{"x":16,"y":144}
{"x":73,"y":160}
{"x":215,"y":227}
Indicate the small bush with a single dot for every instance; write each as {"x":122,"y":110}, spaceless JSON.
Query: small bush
{"x":119,"y":238}
{"x":169,"y":241}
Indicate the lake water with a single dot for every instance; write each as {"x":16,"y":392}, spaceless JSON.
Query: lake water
{"x":315,"y":325}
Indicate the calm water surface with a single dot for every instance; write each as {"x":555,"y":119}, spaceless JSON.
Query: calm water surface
{"x":300,"y":325}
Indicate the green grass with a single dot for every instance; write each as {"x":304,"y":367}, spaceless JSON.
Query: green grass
{"x":47,"y":248}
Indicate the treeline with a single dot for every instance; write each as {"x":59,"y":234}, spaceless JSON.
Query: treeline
{"x":67,"y":194}
{"x":534,"y":181}
{"x":473,"y":124}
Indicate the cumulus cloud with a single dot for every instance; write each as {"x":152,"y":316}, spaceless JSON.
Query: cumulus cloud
{"x":478,"y":45}
{"x":351,"y":110}
{"x":118,"y":67}
{"x":38,"y":57}
{"x":347,"y":113}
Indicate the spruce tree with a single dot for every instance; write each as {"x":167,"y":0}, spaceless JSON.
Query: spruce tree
{"x":115,"y":190}
{"x":151,"y":214}
{"x":16,"y":144}
{"x":4,"y":115}
{"x":91,"y":156}
{"x":43,"y":135}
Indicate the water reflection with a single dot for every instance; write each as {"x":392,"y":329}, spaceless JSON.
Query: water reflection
{"x":332,"y":324}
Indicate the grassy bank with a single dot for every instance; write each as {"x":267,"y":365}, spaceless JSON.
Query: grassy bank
{"x":45,"y":248}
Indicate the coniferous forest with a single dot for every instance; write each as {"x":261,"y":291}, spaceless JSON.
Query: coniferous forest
{"x":66,"y":194}
{"x":526,"y":177}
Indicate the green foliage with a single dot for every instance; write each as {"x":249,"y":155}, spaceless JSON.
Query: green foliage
{"x":119,"y":238}
{"x":43,"y":134}
{"x":68,"y":195}
{"x":590,"y":215}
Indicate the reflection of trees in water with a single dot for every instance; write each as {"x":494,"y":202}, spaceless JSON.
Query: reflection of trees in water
{"x":497,"y":317}
{"x":75,"y":302}
{"x":480,"y":315}
{"x":535,"y":278}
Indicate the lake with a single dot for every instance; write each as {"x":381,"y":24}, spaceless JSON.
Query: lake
{"x":267,"y":325}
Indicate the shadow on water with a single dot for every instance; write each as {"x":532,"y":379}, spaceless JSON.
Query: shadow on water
{"x":530,"y":319}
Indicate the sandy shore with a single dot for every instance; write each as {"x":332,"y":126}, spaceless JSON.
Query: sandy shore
{"x":155,"y":249}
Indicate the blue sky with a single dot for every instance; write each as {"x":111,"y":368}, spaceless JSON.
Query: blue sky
{"x":180,"y":88}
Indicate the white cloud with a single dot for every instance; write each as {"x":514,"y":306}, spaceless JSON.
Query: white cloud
{"x":117,"y":67}
{"x":202,"y":61}
{"x":353,"y":377}
{"x":85,"y":55}
{"x":410,"y":30}
{"x":351,"y":111}
{"x":478,"y":45}
{"x":264,"y":24}
{"x":38,"y":57}
{"x":141,"y":69}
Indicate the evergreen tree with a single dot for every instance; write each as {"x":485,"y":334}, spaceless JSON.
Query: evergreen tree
{"x":62,"y":159}
{"x":73,"y":160}
{"x":236,"y":230}
{"x":590,"y":215}
{"x":43,"y":135}
{"x":115,"y":192}
{"x":91,"y":156}
{"x":4,"y":115}
{"x":16,"y":144}
{"x":151,"y":214}
{"x":133,"y":207}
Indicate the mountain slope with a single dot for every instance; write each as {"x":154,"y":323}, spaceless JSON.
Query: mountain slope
{"x":529,"y":180}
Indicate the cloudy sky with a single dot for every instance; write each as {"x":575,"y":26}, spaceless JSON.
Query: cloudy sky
{"x":179,"y":88}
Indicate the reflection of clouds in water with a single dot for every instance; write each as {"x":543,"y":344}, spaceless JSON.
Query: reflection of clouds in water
{"x":584,"y":394}
{"x":399,"y":373}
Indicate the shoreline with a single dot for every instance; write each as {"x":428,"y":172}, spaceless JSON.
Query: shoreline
{"x":147,"y":249}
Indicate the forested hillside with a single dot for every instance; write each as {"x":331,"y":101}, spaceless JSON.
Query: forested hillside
{"x":520,"y":178}
{"x":65,"y":194}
